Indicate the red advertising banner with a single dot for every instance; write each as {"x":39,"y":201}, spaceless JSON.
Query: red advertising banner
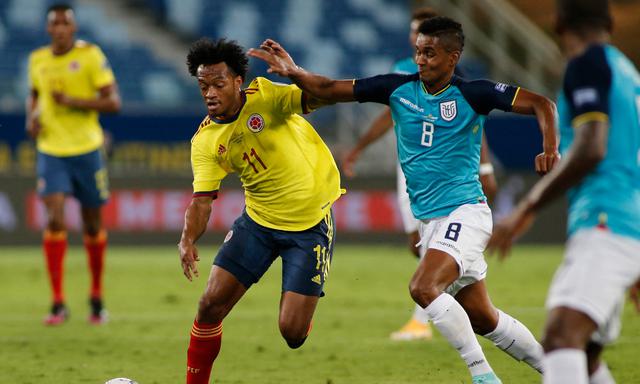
{"x":157,"y":210}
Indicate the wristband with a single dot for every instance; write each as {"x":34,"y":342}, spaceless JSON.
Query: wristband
{"x":485,"y":169}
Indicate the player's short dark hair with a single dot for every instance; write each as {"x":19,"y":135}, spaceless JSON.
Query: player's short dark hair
{"x":423,"y":13}
{"x":207,"y":51}
{"x":63,"y":7}
{"x":584,"y":15}
{"x":447,"y":30}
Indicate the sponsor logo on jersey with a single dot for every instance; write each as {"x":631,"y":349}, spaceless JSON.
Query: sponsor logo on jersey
{"x":582,"y":96}
{"x":501,"y":87}
{"x":448,"y":110}
{"x":411,"y":105}
{"x":255,"y":123}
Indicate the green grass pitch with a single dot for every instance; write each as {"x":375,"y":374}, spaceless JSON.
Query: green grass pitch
{"x":152,"y":307}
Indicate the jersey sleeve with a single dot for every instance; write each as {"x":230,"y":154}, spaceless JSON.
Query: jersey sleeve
{"x":100,"y":70}
{"x":586,"y":86}
{"x":207,"y":172}
{"x":378,"y":89}
{"x":287,"y":98}
{"x":485,"y":95}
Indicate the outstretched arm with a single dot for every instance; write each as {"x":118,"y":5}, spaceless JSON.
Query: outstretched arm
{"x":195,"y":223}
{"x":529,"y":103}
{"x":320,"y":87}
{"x":381,"y":125}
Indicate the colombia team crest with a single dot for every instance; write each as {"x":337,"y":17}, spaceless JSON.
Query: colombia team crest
{"x":255,"y":123}
{"x":448,"y":110}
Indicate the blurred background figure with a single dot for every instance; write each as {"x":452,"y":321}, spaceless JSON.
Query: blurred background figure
{"x":598,"y":117}
{"x":70,"y":82}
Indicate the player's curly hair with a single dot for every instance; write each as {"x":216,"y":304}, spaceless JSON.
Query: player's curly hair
{"x":584,"y":15}
{"x":448,"y":30}
{"x":207,"y":51}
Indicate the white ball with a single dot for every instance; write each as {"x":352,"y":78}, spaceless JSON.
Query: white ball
{"x":121,"y":380}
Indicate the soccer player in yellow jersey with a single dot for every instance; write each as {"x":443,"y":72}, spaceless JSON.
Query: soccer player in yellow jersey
{"x":290,"y":181}
{"x":70,"y":83}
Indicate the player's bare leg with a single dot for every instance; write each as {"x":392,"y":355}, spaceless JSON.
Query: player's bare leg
{"x":55,"y":246}
{"x":95,"y":243}
{"x":296,"y":314}
{"x":566,"y":336}
{"x":222,"y":293}
{"x":436,"y":271}
{"x":504,"y":331}
{"x":418,"y":327}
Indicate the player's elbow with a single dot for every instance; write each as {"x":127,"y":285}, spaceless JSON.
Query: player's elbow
{"x":546,"y":105}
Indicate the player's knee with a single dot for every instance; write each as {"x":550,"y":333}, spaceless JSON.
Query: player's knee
{"x":295,"y":343}
{"x":211,"y":310}
{"x":423,"y":294}
{"x":55,"y":222}
{"x":294,"y":335}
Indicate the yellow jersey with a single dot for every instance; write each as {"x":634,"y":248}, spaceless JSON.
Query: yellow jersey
{"x":289,"y":175}
{"x":79,"y":73}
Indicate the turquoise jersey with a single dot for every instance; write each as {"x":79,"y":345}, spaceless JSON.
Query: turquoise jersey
{"x":438,"y":135}
{"x":602,"y":84}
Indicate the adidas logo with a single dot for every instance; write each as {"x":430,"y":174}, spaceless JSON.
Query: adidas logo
{"x":317,"y":279}
{"x":221,"y":149}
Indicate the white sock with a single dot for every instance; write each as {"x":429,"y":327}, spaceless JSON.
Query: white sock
{"x":453,"y":323}
{"x":421,"y":315}
{"x":565,"y":365}
{"x":516,"y":340}
{"x":602,"y":375}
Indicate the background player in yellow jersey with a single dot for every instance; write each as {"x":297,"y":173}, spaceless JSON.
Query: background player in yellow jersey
{"x":70,"y":83}
{"x":290,"y":182}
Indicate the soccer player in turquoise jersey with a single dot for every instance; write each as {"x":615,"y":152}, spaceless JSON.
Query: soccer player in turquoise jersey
{"x":599,"y":112}
{"x":418,"y":325}
{"x":439,"y":119}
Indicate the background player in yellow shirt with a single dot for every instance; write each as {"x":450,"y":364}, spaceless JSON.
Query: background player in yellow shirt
{"x":290,"y":182}
{"x":70,"y":83}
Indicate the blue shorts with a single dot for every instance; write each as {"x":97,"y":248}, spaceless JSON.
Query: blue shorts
{"x":249,"y":250}
{"x":83,"y":176}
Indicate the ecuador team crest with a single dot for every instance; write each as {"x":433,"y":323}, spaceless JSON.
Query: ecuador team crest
{"x":255,"y":123}
{"x":448,"y":110}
